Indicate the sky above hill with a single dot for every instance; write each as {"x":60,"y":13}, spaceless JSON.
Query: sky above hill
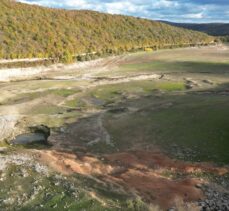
{"x":170,"y":10}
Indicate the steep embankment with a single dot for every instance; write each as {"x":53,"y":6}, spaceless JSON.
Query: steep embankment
{"x":33,"y":31}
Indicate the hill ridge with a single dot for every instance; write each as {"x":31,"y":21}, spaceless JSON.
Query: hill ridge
{"x":29,"y":31}
{"x":215,"y":29}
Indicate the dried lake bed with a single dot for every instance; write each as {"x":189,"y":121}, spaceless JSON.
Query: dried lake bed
{"x":139,"y":131}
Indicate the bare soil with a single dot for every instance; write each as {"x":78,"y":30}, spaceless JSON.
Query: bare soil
{"x":138,"y":171}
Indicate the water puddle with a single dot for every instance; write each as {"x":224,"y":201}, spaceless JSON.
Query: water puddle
{"x":30,"y":138}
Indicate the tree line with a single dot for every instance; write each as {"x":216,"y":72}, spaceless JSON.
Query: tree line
{"x":28,"y":31}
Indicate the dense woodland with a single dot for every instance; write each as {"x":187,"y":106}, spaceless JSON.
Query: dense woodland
{"x":28,"y":31}
{"x":215,"y":29}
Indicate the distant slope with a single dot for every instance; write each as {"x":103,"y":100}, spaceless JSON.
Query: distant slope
{"x":33,"y":31}
{"x":215,"y":29}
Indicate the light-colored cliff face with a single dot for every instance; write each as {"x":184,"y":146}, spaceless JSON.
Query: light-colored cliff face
{"x":5,"y":61}
{"x":7,"y":126}
{"x":20,"y":73}
{"x":13,"y":74}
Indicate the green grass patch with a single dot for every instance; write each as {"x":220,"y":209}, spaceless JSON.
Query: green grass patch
{"x":41,"y":192}
{"x":63,"y":92}
{"x":26,"y":97}
{"x":176,"y":66}
{"x":118,"y":91}
{"x":47,"y":109}
{"x":171,"y":86}
{"x":198,"y":123}
{"x":76,"y":103}
{"x":37,"y":191}
{"x":54,"y":120}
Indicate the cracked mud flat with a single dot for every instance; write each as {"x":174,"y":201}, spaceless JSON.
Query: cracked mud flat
{"x":127,"y":133}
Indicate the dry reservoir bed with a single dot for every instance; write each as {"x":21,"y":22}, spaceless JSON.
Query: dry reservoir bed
{"x":145,"y":131}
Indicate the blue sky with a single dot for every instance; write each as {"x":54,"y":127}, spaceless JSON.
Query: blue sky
{"x":171,"y":10}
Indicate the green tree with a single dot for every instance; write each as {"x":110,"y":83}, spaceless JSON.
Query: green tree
{"x":67,"y":57}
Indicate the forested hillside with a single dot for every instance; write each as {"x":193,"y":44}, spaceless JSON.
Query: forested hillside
{"x":33,"y":31}
{"x":215,"y":29}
